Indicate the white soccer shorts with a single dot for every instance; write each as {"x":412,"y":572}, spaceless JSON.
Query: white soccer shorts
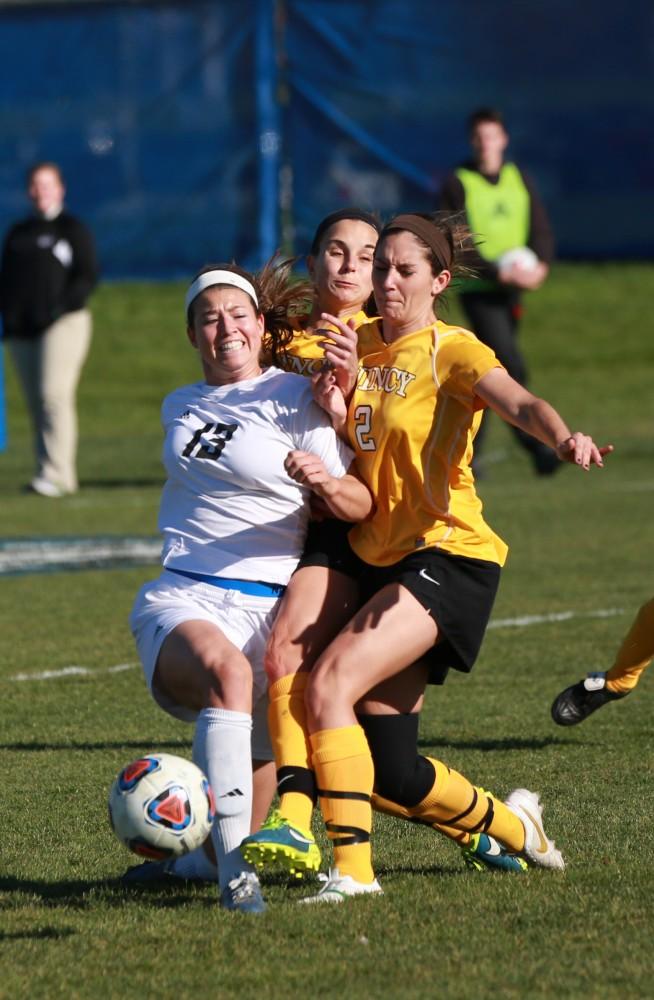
{"x":163,"y":604}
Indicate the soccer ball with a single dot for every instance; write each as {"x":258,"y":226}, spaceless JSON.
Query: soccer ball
{"x":161,"y":806}
{"x":523,"y":257}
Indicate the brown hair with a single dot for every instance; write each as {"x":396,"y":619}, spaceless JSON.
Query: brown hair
{"x":280,"y":298}
{"x":483,"y":115}
{"x":342,"y":215}
{"x":445,"y":236}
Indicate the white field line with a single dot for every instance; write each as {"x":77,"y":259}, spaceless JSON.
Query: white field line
{"x":555,"y":616}
{"x":522,"y":622}
{"x":53,"y":675}
{"x":34,"y":555}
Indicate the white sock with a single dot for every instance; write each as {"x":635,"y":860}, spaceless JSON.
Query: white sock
{"x":195,"y":865}
{"x":221,"y":747}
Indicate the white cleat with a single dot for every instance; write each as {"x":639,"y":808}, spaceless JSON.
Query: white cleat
{"x":45,"y":488}
{"x":338,"y":887}
{"x":538,"y":848}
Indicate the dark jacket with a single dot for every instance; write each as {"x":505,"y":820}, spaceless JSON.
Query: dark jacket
{"x":48,"y":268}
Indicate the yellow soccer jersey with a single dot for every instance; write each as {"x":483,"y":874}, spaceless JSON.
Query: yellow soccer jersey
{"x":412,"y":421}
{"x":304,"y":355}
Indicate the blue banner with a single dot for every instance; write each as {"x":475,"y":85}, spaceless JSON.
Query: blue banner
{"x":195,"y":132}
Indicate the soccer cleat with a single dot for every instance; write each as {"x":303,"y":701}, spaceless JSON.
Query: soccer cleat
{"x":278,"y":843}
{"x":149,"y":871}
{"x":580,"y":700}
{"x":162,"y":871}
{"x":526,"y":806}
{"x":484,"y":852}
{"x":243,"y":894}
{"x":338,"y":887}
{"x":45,"y":488}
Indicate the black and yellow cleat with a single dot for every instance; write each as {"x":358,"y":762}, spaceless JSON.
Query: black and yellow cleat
{"x":580,"y":700}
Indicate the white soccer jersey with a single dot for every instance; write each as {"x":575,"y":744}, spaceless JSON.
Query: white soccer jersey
{"x":229,"y":508}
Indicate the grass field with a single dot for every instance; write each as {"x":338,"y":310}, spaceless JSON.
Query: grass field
{"x":581,"y":546}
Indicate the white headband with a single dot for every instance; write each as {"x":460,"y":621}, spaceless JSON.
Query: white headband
{"x":219,"y":278}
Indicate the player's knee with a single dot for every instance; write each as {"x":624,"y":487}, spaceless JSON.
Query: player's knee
{"x":228,"y":684}
{"x":327,"y":690}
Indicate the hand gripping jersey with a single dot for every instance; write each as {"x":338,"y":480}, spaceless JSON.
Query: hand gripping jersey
{"x":305,"y":354}
{"x":412,"y":421}
{"x":228,"y":507}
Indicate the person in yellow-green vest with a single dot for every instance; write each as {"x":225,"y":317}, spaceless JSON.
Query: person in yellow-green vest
{"x":515,"y":247}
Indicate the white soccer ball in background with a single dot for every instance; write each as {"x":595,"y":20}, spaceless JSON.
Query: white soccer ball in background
{"x":523,"y":257}
{"x":161,"y":806}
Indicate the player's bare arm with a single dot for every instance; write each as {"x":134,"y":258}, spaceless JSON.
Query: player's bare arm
{"x":518,"y":406}
{"x":347,"y":497}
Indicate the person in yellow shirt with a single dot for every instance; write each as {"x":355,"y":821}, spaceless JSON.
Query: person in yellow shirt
{"x":635,"y":654}
{"x":430,"y":564}
{"x":323,"y":593}
{"x":339,"y":263}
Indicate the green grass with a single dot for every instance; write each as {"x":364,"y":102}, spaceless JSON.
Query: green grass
{"x":579,"y":543}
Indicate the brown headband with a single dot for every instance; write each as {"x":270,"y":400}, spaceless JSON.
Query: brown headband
{"x":427,"y":232}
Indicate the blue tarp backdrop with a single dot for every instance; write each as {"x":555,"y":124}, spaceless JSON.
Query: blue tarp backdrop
{"x":197,"y":131}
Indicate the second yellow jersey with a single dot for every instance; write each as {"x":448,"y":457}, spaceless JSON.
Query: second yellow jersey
{"x":305,"y":354}
{"x":412,"y":421}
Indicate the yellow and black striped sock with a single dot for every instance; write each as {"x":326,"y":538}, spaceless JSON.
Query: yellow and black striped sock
{"x":296,"y":781}
{"x":382,"y":805}
{"x":635,"y":653}
{"x":345,"y":775}
{"x":454,"y":802}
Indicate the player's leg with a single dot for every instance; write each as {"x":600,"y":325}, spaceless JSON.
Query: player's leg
{"x":359,"y":657}
{"x":317,"y":602}
{"x":264,"y":780}
{"x":403,"y":776}
{"x":458,"y":593}
{"x":313,"y":609}
{"x":390,"y":629}
{"x":636,"y":652}
{"x":199,"y":668}
{"x":192,"y":640}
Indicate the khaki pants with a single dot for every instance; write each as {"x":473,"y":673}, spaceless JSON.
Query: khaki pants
{"x":49,"y":368}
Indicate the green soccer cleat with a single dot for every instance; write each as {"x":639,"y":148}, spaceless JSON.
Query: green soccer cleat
{"x":278,"y":844}
{"x":484,"y":852}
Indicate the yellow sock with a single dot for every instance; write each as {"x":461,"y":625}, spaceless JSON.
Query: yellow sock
{"x":345,"y":774}
{"x":389,"y":808}
{"x":454,"y":802}
{"x":635,"y":653}
{"x":290,"y":742}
